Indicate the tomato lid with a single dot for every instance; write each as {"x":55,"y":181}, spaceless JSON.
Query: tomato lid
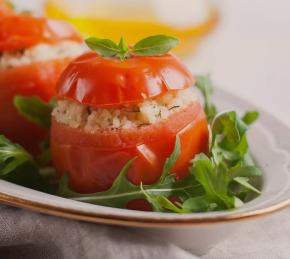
{"x":23,"y":31}
{"x":109,"y":82}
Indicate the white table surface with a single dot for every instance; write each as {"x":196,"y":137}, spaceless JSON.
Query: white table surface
{"x":249,"y":53}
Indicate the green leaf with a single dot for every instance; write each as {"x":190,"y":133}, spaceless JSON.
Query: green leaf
{"x":244,"y":171}
{"x":229,"y":140}
{"x":250,"y":117}
{"x":44,"y":158}
{"x":12,"y":156}
{"x":123,"y":49}
{"x":34,"y":109}
{"x":171,"y":160}
{"x":214,"y":179}
{"x":103,"y":47}
{"x":28,"y":175}
{"x":121,"y":192}
{"x":155,"y":45}
{"x":199,"y":203}
{"x":244,"y":181}
{"x":160,"y":202}
{"x":204,"y":84}
{"x":17,"y":166}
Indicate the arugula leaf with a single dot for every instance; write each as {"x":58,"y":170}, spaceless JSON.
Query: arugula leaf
{"x":214,"y":179}
{"x":230,"y":146}
{"x":198,"y":204}
{"x":11,"y":156}
{"x":34,"y":109}
{"x":121,"y":192}
{"x":17,"y":166}
{"x":38,"y":112}
{"x":250,"y":117}
{"x":244,"y":181}
{"x":103,"y":47}
{"x":44,"y":158}
{"x":204,"y":84}
{"x":161,"y":203}
{"x":155,"y":45}
{"x":171,"y":160}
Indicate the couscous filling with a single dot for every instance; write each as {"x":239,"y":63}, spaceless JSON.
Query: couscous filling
{"x":148,"y":112}
{"x":40,"y":52}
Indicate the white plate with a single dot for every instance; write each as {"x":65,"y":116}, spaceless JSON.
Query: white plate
{"x":270,"y":144}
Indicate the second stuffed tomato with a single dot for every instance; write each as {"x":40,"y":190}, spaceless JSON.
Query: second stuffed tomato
{"x":34,"y":51}
{"x":110,"y":111}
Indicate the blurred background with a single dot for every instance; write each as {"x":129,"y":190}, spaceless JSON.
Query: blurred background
{"x":243,"y":44}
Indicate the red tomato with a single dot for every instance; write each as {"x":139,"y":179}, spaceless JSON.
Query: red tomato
{"x":5,"y":8}
{"x":23,"y":31}
{"x":36,"y":79}
{"x":108,"y":82}
{"x":93,"y":160}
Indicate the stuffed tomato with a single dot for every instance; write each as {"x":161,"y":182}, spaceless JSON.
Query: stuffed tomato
{"x":111,"y":110}
{"x":33,"y":54}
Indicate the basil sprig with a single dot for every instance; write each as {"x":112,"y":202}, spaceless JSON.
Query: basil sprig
{"x":151,"y":46}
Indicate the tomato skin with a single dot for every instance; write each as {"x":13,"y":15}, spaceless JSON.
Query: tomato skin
{"x":93,"y":163}
{"x":37,"y":79}
{"x":18,"y":32}
{"x":109,"y":82}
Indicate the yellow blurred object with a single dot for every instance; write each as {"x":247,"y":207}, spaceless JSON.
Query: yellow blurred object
{"x":137,"y":19}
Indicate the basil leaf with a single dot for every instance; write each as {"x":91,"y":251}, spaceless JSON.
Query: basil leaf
{"x":123,"y":49}
{"x":204,"y":84}
{"x":155,"y":45}
{"x":104,"y":47}
{"x":250,"y":117}
{"x":34,"y":109}
{"x":12,"y":156}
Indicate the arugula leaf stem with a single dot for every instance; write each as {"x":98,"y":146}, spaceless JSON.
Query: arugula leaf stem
{"x":134,"y":193}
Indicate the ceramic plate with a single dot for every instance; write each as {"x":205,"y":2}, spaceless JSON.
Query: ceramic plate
{"x":270,"y":145}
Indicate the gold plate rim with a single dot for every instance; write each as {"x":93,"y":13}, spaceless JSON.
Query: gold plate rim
{"x":136,"y":221}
